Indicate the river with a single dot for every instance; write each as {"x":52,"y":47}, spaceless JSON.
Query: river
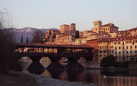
{"x":98,"y":77}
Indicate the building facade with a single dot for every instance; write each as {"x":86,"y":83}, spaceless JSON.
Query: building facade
{"x":50,"y":35}
{"x":64,"y":39}
{"x":107,"y":28}
{"x":68,"y":29}
{"x":123,"y":48}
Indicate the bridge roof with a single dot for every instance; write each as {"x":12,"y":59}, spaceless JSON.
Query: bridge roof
{"x":51,"y":45}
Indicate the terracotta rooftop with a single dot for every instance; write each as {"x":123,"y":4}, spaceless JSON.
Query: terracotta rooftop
{"x":81,"y":37}
{"x":50,"y":45}
{"x":133,"y":29}
{"x":109,"y":24}
{"x":117,"y":38}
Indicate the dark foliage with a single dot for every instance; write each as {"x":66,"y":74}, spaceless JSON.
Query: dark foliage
{"x":109,"y":61}
{"x":8,"y":60}
{"x":123,"y":64}
{"x":77,"y":34}
{"x":21,"y":39}
{"x":27,"y":40}
{"x":37,"y":36}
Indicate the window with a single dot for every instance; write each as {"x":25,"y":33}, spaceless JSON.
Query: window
{"x":115,"y":48}
{"x":135,"y":51}
{"x":130,"y":52}
{"x":127,"y":47}
{"x":130,"y":47}
{"x":135,"y":46}
{"x":118,"y":42}
{"x":100,"y":47}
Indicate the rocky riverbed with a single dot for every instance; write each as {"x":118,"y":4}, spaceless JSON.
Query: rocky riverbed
{"x":48,"y":81}
{"x":22,"y":79}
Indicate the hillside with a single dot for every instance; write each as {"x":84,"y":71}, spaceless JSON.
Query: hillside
{"x":27,"y":32}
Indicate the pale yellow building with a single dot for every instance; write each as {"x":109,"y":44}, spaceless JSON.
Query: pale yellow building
{"x":107,"y":28}
{"x":82,"y":40}
{"x":123,"y":48}
{"x":87,"y":32}
{"x":64,"y":39}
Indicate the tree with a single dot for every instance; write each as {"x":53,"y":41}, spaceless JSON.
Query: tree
{"x":77,"y":34}
{"x":37,"y":36}
{"x":7,"y":56}
{"x":27,"y":40}
{"x":109,"y":61}
{"x":21,"y":39}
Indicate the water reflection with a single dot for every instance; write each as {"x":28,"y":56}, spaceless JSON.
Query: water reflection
{"x":36,"y":67}
{"x":119,"y":81}
{"x":98,"y":77}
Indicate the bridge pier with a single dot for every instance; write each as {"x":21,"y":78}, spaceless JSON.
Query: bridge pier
{"x":36,"y":66}
{"x":55,"y":64}
{"x":77,"y":62}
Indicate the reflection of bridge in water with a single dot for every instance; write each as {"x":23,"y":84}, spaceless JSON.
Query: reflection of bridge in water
{"x":55,"y":52}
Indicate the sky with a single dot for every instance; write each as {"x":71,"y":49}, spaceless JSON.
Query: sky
{"x":53,"y":13}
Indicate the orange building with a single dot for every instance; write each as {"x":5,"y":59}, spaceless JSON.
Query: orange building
{"x":107,"y":28}
{"x":68,"y":29}
{"x":94,"y":43}
{"x":64,"y":39}
{"x":50,"y":35}
{"x":64,"y":28}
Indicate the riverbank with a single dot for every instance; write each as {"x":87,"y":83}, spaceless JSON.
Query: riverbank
{"x":48,"y":81}
{"x":22,"y":79}
{"x":16,"y":79}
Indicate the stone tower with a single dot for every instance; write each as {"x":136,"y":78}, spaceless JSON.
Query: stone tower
{"x":64,"y":28}
{"x":97,"y":25}
{"x":73,"y":27}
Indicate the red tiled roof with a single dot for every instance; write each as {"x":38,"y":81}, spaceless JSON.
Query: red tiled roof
{"x":109,"y":24}
{"x":132,"y":29}
{"x":81,"y":37}
{"x":92,"y":39}
{"x":117,"y":38}
{"x":50,"y":45}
